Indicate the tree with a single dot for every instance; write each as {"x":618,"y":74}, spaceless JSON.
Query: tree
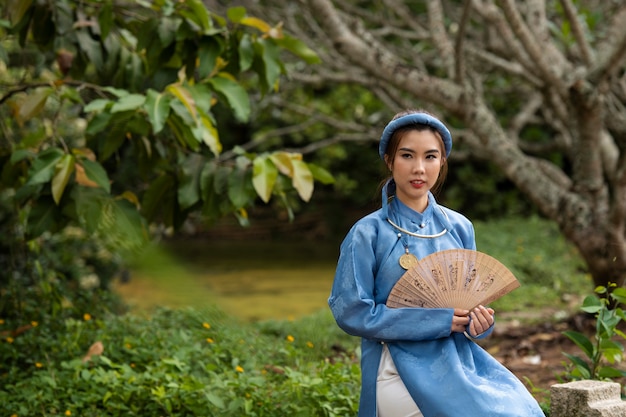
{"x":536,"y":87}
{"x":110,"y":116}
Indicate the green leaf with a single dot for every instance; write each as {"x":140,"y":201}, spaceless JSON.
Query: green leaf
{"x":592,"y":304}
{"x":612,"y":351}
{"x":44,"y":166}
{"x":235,"y":95}
{"x":97,"y":105}
{"x":238,"y":184}
{"x":235,"y":14}
{"x":215,"y":400}
{"x":272,"y":68}
{"x":185,"y":97}
{"x":619,"y":295}
{"x":17,"y":9}
{"x":210,"y":135}
{"x":581,"y":341}
{"x":264,"y":174}
{"x":320,"y":174}
{"x":105,"y":19}
{"x":97,"y":174}
{"x":98,"y":123}
{"x":64,"y":169}
{"x":298,"y":48}
{"x":33,"y":104}
{"x":246,"y":53}
{"x":581,"y":366}
{"x":198,"y":14}
{"x":89,"y":206}
{"x":129,"y":102}
{"x":43,"y":217}
{"x":609,"y":372}
{"x":157,"y":106}
{"x":302,"y":179}
{"x":209,"y":49}
{"x":189,"y":181}
{"x":89,"y":47}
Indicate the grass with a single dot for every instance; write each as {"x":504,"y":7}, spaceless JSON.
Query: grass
{"x":258,"y":281}
{"x":208,"y":359}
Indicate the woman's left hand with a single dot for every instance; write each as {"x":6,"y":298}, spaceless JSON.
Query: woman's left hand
{"x":481,"y":320}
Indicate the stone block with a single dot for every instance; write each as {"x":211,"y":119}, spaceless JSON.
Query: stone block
{"x":587,"y":399}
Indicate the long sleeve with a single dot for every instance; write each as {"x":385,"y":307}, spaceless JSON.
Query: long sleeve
{"x":356,"y":301}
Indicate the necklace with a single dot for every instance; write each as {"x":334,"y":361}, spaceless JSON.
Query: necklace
{"x":443,"y":232}
{"x":407,"y":260}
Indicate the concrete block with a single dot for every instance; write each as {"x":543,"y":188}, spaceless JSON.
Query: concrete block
{"x":587,"y":399}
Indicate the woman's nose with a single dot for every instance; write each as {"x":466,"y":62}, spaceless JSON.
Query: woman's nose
{"x":418,"y":166}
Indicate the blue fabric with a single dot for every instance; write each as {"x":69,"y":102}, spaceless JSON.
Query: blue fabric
{"x":448,"y":375}
{"x":411,"y":119}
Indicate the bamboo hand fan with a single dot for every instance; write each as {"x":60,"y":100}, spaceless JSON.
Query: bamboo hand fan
{"x":455,"y":278}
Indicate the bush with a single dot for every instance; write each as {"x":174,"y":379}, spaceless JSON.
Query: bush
{"x":179,"y":362}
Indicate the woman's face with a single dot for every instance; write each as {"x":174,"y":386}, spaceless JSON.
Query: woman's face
{"x":415,"y":167}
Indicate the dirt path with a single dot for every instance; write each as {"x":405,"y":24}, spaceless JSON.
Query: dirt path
{"x":534,"y":353}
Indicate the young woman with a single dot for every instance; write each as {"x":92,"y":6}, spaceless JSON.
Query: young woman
{"x":417,"y":361}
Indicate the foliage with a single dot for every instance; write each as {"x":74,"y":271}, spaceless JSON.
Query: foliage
{"x":110,"y":124}
{"x":112,"y":111}
{"x":182,"y":362}
{"x":602,"y":347}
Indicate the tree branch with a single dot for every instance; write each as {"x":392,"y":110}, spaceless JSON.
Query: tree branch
{"x":609,"y":62}
{"x":579,"y":34}
{"x":532,"y":47}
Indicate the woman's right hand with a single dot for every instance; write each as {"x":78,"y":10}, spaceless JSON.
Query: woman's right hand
{"x":460,"y":320}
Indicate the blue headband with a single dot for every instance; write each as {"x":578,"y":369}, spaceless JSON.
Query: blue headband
{"x":411,"y":119}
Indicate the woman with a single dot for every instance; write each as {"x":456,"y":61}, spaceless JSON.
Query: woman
{"x":417,"y":361}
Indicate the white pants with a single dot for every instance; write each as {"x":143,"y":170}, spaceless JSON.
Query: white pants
{"x":392,"y":397}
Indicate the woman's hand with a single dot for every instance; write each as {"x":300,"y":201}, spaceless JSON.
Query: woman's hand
{"x":481,"y":320}
{"x":460,"y":320}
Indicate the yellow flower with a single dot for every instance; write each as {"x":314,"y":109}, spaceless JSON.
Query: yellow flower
{"x":86,"y":317}
{"x":239,"y":369}
{"x":132,"y":365}
{"x":1,"y":321}
{"x":34,"y":323}
{"x":9,"y":339}
{"x":38,"y":364}
{"x":206,"y":325}
{"x":13,"y":415}
{"x":209,"y":340}
{"x":128,"y":346}
{"x":68,"y":413}
{"x":310,"y":344}
{"x":290,"y":338}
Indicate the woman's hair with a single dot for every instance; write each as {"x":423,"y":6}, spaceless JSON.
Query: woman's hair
{"x":397,"y":135}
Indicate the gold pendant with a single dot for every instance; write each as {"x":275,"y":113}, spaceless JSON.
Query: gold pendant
{"x":407,"y":260}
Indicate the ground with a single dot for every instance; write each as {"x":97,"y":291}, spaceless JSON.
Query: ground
{"x":535,"y":352}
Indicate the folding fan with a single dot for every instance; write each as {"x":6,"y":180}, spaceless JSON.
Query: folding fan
{"x":455,"y":278}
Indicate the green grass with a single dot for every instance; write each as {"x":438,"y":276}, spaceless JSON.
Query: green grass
{"x":209,"y":360}
{"x":258,"y":281}
{"x":552,"y":274}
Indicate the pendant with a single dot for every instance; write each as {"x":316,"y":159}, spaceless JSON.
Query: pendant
{"x":407,"y":260}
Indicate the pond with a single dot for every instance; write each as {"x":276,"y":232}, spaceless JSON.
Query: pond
{"x":252,"y":280}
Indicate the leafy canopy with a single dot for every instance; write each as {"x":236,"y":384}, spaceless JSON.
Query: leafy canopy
{"x":110,"y":118}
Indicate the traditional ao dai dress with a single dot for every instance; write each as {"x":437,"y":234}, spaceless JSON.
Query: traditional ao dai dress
{"x":447,"y":374}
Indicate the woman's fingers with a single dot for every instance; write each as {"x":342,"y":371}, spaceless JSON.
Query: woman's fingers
{"x":482,"y":319}
{"x":460,"y":320}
